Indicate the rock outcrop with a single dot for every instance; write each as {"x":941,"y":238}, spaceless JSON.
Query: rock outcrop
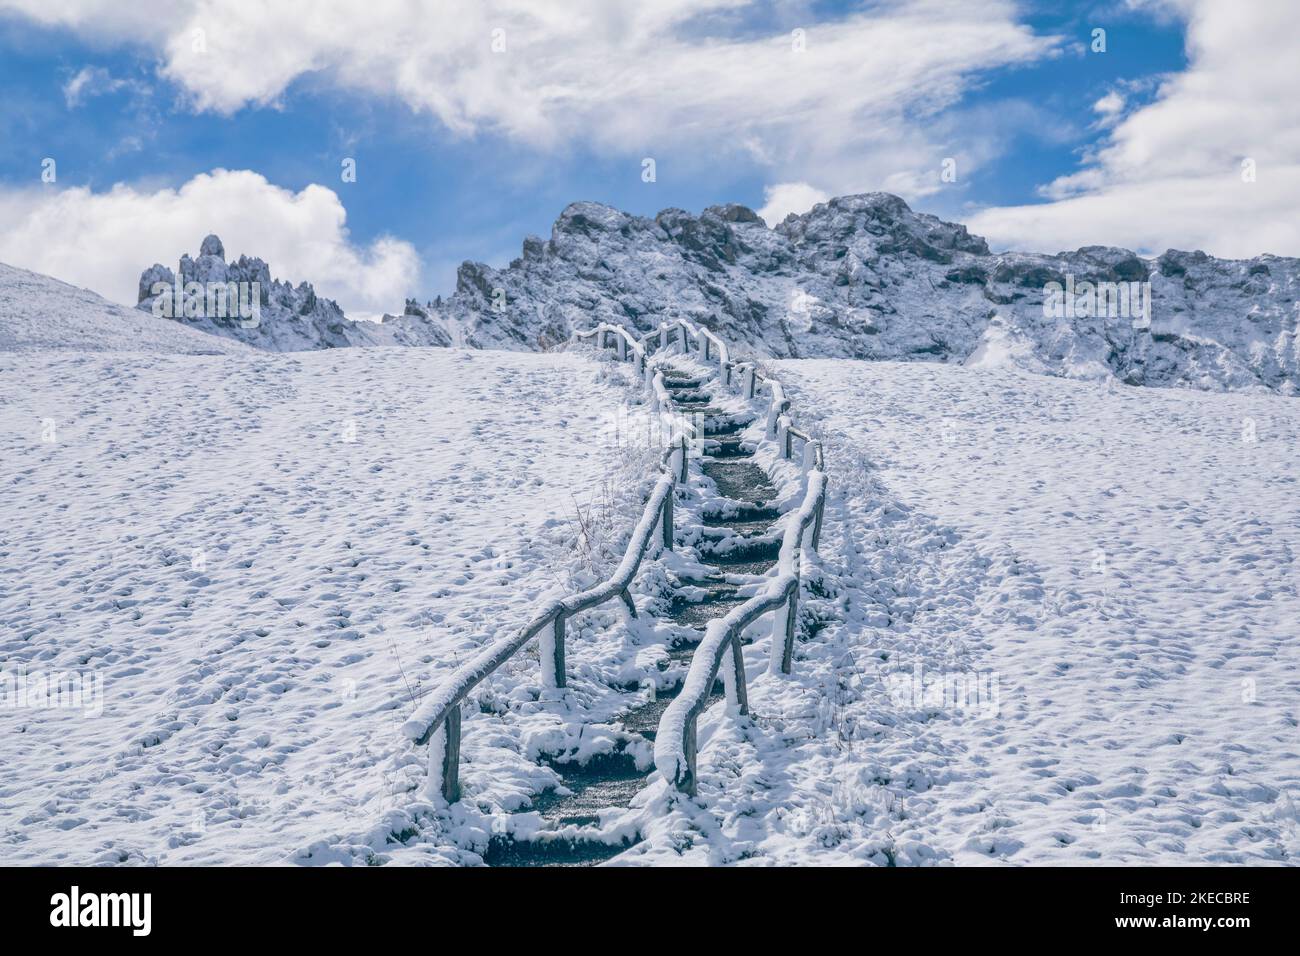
{"x":867,"y":277}
{"x":288,"y":318}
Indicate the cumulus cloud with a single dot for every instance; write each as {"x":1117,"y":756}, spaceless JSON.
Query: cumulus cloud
{"x":1170,"y":174}
{"x":843,"y":104}
{"x":103,"y":240}
{"x":785,"y":198}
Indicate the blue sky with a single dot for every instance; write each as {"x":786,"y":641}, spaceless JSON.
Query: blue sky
{"x":138,"y":118}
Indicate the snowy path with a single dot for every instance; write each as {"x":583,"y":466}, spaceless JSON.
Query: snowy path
{"x":1124,"y":561}
{"x":262,"y":557}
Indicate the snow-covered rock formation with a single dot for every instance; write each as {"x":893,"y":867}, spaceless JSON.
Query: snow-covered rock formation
{"x":417,"y":325}
{"x":867,"y":277}
{"x":857,"y":277}
{"x":287,"y":318}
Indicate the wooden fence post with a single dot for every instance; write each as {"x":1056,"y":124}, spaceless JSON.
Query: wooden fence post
{"x":738,"y":685}
{"x":557,"y":652}
{"x":688,"y":784}
{"x":817,"y":522}
{"x":791,"y":619}
{"x":783,"y":436}
{"x":444,"y":757}
{"x":666,"y":521}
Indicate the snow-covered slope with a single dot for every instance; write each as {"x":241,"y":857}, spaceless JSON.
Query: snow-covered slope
{"x":1119,"y":567}
{"x":866,"y":277}
{"x":262,"y":556}
{"x":292,"y":318}
{"x":41,"y":313}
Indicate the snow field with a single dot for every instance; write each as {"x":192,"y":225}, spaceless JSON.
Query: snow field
{"x":1117,"y":564}
{"x":266,"y":559}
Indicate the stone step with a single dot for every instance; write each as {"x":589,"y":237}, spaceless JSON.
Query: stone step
{"x":755,"y":528}
{"x":675,"y":380}
{"x":728,"y":448}
{"x":698,"y":613}
{"x":740,"y":513}
{"x":551,"y":850}
{"x":736,"y":550}
{"x":713,"y":427}
{"x":740,"y":480}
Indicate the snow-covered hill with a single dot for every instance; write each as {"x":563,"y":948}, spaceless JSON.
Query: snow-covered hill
{"x":40,"y":313}
{"x":866,"y":277}
{"x":1067,"y":635}
{"x":261,"y":556}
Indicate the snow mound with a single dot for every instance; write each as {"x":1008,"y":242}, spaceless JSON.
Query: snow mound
{"x":39,"y":313}
{"x":1003,"y":345}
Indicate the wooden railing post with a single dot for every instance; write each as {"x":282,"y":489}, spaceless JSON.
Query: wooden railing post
{"x":706,"y":348}
{"x":751,"y":373}
{"x":444,"y":757}
{"x":783,"y":628}
{"x":557,"y":677}
{"x":684,"y":476}
{"x":666,"y":521}
{"x":687,"y":784}
{"x":739,"y":689}
{"x":817,"y":522}
{"x":791,"y":621}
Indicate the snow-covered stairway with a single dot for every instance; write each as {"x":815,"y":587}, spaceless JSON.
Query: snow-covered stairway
{"x":739,"y":546}
{"x":726,"y":566}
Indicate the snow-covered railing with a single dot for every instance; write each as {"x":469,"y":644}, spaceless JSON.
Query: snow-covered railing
{"x":624,"y":343}
{"x":436,"y":720}
{"x":706,"y":343}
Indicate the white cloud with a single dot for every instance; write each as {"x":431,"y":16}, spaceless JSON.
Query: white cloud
{"x":104,"y":240}
{"x":852,"y":110}
{"x":1169,"y":175}
{"x":91,"y":81}
{"x":1112,"y":102}
{"x":785,"y":198}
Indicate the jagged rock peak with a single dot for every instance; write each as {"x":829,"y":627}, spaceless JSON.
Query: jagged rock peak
{"x":288,"y":317}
